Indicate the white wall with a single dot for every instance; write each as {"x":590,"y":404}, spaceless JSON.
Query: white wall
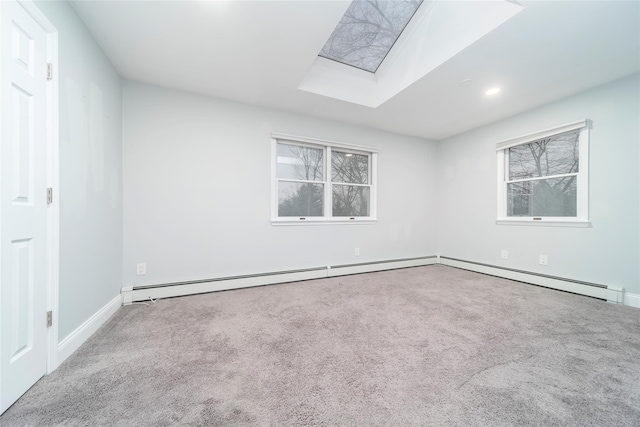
{"x":609,"y":251}
{"x":90,"y":192}
{"x":197,"y":191}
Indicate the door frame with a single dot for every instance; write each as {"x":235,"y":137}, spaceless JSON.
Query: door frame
{"x":53,"y":210}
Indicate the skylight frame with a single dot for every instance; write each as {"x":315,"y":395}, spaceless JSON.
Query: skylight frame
{"x":388,"y":50}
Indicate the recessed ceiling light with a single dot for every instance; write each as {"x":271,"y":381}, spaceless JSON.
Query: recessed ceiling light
{"x":492,"y":91}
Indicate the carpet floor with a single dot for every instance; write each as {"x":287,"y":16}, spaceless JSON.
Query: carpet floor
{"x":419,"y":346}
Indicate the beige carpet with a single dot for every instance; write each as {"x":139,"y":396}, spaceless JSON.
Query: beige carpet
{"x":421,"y":346}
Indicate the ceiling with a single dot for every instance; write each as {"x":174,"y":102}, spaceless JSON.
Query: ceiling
{"x":258,"y":52}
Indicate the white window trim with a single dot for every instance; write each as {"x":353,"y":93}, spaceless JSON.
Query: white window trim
{"x":328,"y":145}
{"x":582,"y":217}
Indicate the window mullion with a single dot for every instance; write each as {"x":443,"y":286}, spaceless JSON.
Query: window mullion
{"x":328,"y":194}
{"x":350,"y":184}
{"x":373,"y":179}
{"x":583,"y":175}
{"x":506,"y":166}
{"x":538,"y":178}
{"x":302,"y":181}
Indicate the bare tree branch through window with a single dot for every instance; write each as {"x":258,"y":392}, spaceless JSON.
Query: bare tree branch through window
{"x":301,"y":182}
{"x":542,"y":177}
{"x":367,"y":32}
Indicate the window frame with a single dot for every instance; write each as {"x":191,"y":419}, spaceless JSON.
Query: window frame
{"x":582,"y":178}
{"x":327,"y":147}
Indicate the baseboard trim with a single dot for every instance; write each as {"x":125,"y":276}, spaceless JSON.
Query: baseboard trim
{"x":146,"y":292}
{"x":612,"y":294}
{"x":201,"y":287}
{"x":132,"y":294}
{"x":343,"y":270}
{"x":75,"y":339}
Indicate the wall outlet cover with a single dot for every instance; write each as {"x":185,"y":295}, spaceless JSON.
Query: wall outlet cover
{"x":141,"y":269}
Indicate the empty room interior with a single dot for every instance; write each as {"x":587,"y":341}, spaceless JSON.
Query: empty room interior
{"x":367,"y":212}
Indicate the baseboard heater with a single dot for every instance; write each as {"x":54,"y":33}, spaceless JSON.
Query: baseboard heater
{"x":611,"y":294}
{"x":165,"y":290}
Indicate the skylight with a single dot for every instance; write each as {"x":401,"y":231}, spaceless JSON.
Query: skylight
{"x":438,"y":31}
{"x":367,"y":31}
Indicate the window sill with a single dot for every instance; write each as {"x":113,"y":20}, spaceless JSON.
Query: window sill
{"x":281,"y":222}
{"x":545,"y":223}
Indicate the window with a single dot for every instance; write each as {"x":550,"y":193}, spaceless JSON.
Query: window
{"x":321,"y":181}
{"x":367,"y":32}
{"x":542,"y":177}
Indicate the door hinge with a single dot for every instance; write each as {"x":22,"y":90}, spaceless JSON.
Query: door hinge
{"x":49,"y":319}
{"x":49,"y":71}
{"x":49,"y":195}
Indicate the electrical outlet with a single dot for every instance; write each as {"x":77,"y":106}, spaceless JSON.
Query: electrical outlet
{"x":544,"y":260}
{"x":141,"y":269}
{"x":505,"y":254}
{"x":356,"y":252}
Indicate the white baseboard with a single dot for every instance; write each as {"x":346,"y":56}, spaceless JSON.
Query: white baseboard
{"x":143,"y":293}
{"x":76,"y":338}
{"x":546,"y":281}
{"x":632,"y":300}
{"x":343,"y":270}
{"x":214,"y":285}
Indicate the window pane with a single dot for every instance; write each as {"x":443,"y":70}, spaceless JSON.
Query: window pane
{"x":367,"y":31}
{"x":545,"y":197}
{"x":350,"y":200}
{"x":298,"y":162}
{"x":349,"y":168}
{"x":549,"y":156}
{"x":300,"y":199}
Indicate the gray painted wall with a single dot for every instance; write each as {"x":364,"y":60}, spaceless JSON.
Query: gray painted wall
{"x":197,"y":191}
{"x":90,"y":192}
{"x":609,"y":251}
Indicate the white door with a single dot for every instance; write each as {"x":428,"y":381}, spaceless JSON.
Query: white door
{"x":23,"y":202}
